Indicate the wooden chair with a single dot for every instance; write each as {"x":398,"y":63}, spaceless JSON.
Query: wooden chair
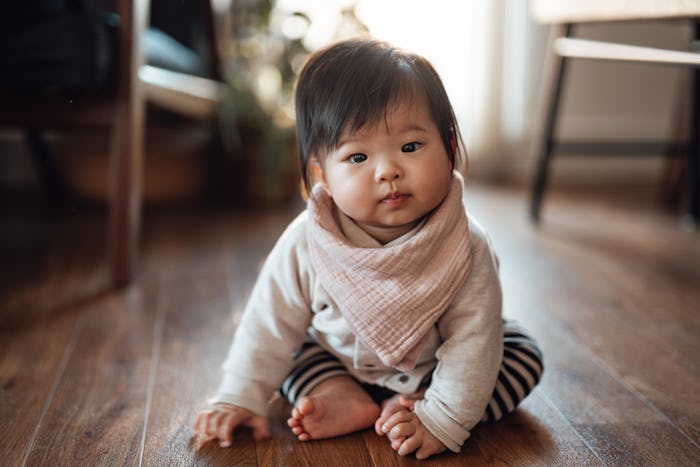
{"x":122,"y":113}
{"x":563,"y":16}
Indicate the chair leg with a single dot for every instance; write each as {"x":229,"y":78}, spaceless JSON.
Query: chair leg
{"x":555,"y":68}
{"x":127,"y":145}
{"x":125,"y":197}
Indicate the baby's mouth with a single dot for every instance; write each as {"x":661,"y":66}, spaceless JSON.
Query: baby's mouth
{"x":395,"y":199}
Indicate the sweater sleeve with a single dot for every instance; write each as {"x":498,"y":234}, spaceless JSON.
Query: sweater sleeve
{"x":471,"y":352}
{"x":273,"y":326}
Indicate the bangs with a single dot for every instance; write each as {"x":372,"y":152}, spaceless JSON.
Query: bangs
{"x":388,"y":97}
{"x":365,"y":93}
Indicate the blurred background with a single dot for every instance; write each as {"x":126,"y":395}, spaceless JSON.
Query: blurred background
{"x":136,"y":106}
{"x":490,"y":55}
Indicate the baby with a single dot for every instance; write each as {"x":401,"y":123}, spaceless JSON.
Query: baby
{"x":380,"y":305}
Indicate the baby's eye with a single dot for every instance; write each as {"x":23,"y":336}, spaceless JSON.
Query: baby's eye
{"x":410,"y":147}
{"x":357,"y":158}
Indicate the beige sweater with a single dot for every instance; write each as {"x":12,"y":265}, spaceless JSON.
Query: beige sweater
{"x":288,"y":304}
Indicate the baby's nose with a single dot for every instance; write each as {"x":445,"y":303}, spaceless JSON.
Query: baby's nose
{"x":387,"y":172}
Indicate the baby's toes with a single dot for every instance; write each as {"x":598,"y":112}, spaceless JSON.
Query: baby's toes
{"x":296,"y":418}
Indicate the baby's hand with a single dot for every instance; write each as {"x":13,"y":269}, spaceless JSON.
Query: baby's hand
{"x":219,"y":423}
{"x":408,"y":434}
{"x":393,"y":405}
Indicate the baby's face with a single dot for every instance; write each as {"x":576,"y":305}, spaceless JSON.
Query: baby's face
{"x":387,"y":176}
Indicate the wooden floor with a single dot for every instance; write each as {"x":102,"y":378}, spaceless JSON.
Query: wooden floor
{"x":610,"y":286}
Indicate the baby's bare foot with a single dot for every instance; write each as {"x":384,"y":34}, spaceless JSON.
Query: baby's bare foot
{"x":318,"y":417}
{"x":332,"y":410}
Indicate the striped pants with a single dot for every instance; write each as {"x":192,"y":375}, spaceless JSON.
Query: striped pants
{"x":521,"y":369}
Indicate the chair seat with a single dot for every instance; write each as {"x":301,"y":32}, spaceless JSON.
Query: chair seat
{"x":583,"y":11}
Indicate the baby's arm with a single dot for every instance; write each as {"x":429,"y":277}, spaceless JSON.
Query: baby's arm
{"x":408,"y":434}
{"x":272,"y":327}
{"x":219,"y":423}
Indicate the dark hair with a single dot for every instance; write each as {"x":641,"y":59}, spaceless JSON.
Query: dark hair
{"x":354,"y":82}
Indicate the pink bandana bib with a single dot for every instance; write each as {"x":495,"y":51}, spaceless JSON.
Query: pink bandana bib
{"x":393,"y":295}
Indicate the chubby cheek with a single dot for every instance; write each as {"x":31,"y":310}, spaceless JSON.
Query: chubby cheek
{"x":437,"y":187}
{"x":351,"y":197}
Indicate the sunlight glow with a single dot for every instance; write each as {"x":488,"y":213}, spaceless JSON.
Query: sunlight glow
{"x":448,"y":34}
{"x":460,"y":38}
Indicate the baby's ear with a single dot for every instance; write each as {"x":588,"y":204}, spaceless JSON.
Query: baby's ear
{"x":318,"y":172}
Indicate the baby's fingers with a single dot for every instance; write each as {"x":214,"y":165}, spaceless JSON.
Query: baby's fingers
{"x":428,"y":449}
{"x":212,"y":424}
{"x":261,"y":429}
{"x":203,"y":425}
{"x":391,"y":426}
{"x":410,"y":445}
{"x":200,"y":423}
{"x":226,"y":424}
{"x":402,"y":430}
{"x":387,"y":412}
{"x":396,"y":443}
{"x":407,"y":402}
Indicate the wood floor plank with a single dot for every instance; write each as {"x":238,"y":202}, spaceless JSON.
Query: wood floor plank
{"x":614,"y":312}
{"x":382,"y":454}
{"x":605,"y":265}
{"x":612,"y":419}
{"x":535,"y":434}
{"x":31,"y":360}
{"x":204,"y":289}
{"x":45,"y":288}
{"x":630,"y":344}
{"x":628,"y":256}
{"x":630,"y":350}
{"x":195,"y":330}
{"x":96,"y":416}
{"x":44,"y":272}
